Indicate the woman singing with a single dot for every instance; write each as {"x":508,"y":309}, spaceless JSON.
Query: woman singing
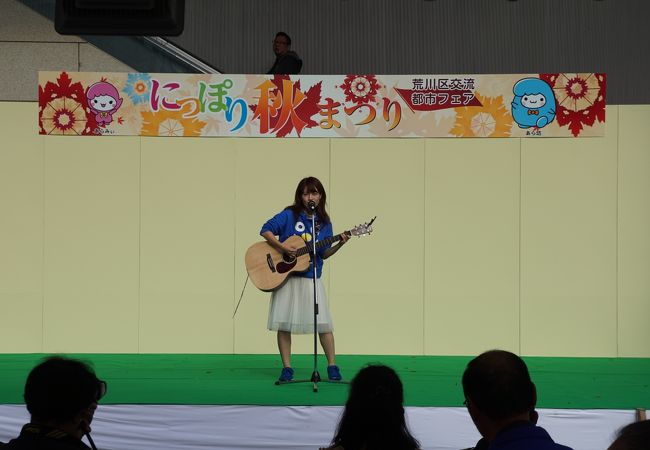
{"x":292,"y":309}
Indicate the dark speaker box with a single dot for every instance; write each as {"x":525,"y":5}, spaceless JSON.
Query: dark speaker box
{"x":120,"y":17}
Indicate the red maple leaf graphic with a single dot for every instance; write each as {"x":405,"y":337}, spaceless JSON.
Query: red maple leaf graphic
{"x":120,"y":120}
{"x":301,"y":116}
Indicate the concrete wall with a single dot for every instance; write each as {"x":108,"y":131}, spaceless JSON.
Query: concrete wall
{"x":362,"y":36}
{"x":28,"y":43}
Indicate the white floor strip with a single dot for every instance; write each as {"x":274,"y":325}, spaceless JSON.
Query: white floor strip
{"x":167,"y":427}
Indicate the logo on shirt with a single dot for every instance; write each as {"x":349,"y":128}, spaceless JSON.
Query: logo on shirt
{"x":305,"y":235}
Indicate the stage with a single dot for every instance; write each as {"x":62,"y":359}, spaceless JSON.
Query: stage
{"x":167,"y":401}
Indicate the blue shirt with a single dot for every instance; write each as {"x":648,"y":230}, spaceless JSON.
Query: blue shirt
{"x":527,"y":436}
{"x":283,"y":225}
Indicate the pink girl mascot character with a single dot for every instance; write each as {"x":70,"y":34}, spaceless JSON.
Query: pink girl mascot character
{"x":104,"y":101}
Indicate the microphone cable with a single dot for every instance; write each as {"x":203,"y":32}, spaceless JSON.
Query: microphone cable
{"x":241,"y":296}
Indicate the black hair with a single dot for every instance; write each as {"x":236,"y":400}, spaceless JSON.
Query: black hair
{"x":499,"y":384}
{"x":59,"y":388}
{"x":284,"y":35}
{"x":373,"y":417}
{"x":635,"y":436}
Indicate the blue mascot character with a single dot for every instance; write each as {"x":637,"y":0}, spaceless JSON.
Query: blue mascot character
{"x":534,"y":103}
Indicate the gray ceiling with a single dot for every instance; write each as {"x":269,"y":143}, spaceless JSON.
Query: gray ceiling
{"x":431,"y":37}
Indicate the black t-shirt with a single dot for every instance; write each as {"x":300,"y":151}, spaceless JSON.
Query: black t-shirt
{"x":289,"y":63}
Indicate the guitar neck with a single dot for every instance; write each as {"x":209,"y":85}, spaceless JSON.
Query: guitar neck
{"x":320,"y":244}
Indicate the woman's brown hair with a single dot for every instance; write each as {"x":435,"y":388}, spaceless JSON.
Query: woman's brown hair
{"x":310,"y":184}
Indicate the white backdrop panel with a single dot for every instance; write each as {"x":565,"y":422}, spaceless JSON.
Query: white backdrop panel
{"x":173,"y":427}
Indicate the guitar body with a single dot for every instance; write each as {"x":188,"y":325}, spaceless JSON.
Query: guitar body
{"x":269,"y":269}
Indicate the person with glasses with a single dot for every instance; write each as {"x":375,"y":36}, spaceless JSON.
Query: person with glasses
{"x":500,"y":398}
{"x":61,"y":395}
{"x":286,"y":60}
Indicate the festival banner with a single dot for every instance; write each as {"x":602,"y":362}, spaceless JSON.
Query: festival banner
{"x":334,"y":106}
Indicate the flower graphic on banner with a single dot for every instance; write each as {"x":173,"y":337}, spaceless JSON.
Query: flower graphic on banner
{"x":490,"y":120}
{"x":360,"y":88}
{"x":63,"y":108}
{"x":169,"y":123}
{"x":138,"y":87}
{"x":580,"y":98}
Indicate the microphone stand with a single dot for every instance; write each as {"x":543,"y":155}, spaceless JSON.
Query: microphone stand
{"x":315,"y":376}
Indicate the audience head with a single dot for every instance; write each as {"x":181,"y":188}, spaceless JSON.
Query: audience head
{"x":374,"y":413}
{"x":635,"y":436}
{"x":281,"y":43}
{"x":63,"y":393}
{"x":498,"y":390}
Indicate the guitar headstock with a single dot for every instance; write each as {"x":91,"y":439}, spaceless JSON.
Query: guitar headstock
{"x":363,"y":229}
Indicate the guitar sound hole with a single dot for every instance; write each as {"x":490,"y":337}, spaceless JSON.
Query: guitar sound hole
{"x":288,"y":258}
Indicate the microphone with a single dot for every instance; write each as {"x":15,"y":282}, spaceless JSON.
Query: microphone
{"x":311,"y":205}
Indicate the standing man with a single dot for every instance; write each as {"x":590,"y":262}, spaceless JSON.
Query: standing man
{"x":286,"y":61}
{"x":61,"y":395}
{"x":501,"y":398}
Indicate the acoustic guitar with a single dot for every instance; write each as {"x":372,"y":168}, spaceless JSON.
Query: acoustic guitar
{"x":269,"y":269}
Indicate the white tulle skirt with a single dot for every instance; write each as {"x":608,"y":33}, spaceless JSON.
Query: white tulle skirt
{"x":292,"y":307}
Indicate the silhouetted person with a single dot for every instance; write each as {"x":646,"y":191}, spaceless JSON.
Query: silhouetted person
{"x":61,"y":395}
{"x":635,"y":436}
{"x":501,"y":398}
{"x":373,"y":418}
{"x":286,"y":61}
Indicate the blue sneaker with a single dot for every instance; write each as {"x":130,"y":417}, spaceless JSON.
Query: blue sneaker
{"x":286,"y":374}
{"x":333,"y":373}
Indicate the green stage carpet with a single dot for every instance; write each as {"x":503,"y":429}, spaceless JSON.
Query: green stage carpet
{"x":574,"y":383}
